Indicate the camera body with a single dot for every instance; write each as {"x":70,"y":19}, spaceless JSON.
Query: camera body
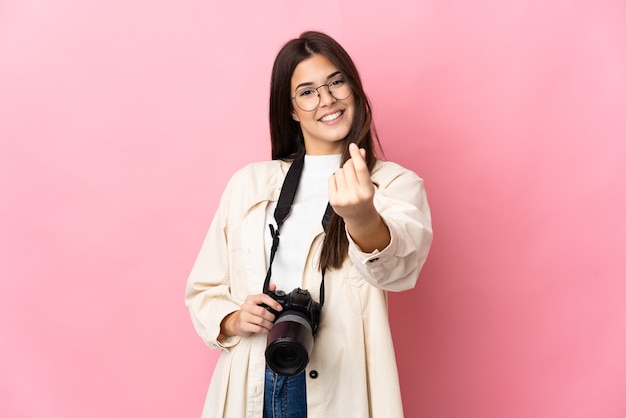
{"x":298,"y":301}
{"x":290,"y":340}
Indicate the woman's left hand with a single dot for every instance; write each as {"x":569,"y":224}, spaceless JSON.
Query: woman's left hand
{"x":350,"y":189}
{"x":351,"y":194}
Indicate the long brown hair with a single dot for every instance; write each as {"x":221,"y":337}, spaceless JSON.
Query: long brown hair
{"x":286,"y":134}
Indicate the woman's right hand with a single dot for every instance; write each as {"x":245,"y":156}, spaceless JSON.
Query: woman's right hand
{"x":252,"y":318}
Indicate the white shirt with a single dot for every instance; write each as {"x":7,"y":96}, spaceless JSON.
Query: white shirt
{"x":307,"y":211}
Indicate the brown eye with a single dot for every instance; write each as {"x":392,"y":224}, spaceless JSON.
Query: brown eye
{"x":305,"y":92}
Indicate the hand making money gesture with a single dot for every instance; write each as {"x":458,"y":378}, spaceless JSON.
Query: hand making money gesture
{"x":351,"y":194}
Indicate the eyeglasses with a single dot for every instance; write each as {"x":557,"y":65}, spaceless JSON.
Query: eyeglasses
{"x":308,"y":98}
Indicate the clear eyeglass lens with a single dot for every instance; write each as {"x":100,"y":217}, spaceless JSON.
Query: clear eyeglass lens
{"x":308,"y":98}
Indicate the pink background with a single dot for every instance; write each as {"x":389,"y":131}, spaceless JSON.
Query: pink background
{"x":121,"y":121}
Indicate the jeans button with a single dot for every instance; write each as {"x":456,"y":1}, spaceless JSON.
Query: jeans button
{"x":313,"y":374}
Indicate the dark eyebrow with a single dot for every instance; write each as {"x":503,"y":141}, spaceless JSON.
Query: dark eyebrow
{"x":310,"y":83}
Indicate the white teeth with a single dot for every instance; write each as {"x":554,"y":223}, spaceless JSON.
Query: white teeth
{"x":334,"y":116}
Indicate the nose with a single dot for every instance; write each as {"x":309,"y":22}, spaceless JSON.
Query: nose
{"x":326,"y":97}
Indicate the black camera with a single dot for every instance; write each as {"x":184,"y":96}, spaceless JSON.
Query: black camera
{"x":290,"y":341}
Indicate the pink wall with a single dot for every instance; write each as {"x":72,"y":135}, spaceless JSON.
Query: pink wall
{"x":120,"y":123}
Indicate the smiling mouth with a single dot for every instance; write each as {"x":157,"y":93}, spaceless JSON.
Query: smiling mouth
{"x":332,"y":117}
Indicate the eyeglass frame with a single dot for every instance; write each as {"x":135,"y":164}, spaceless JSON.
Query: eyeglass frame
{"x":327,"y":85}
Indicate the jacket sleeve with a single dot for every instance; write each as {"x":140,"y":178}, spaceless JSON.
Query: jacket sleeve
{"x":207,"y":294}
{"x":400,"y":199}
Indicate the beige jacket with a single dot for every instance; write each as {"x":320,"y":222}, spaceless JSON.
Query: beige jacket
{"x":353,"y":356}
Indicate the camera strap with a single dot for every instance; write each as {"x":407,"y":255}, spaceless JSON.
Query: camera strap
{"x":283,"y":208}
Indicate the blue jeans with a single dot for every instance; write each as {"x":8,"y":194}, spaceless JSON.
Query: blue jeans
{"x":285,"y":397}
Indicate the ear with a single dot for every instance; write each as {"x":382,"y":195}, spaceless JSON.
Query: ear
{"x":294,"y":115}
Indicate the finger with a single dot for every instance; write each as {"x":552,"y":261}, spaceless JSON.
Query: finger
{"x":332,"y":185}
{"x":353,"y":150}
{"x":340,"y":179}
{"x":260,"y":321}
{"x":256,"y":314}
{"x":332,"y":189}
{"x":256,"y":306}
{"x":269,"y":301}
{"x":357,"y":154}
{"x":255,"y":324}
{"x":350,"y":175}
{"x":359,"y":163}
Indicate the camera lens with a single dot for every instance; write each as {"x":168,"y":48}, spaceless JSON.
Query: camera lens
{"x":287,"y":358}
{"x":289,"y":345}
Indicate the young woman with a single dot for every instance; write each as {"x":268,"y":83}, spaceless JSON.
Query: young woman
{"x":375,"y":239}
